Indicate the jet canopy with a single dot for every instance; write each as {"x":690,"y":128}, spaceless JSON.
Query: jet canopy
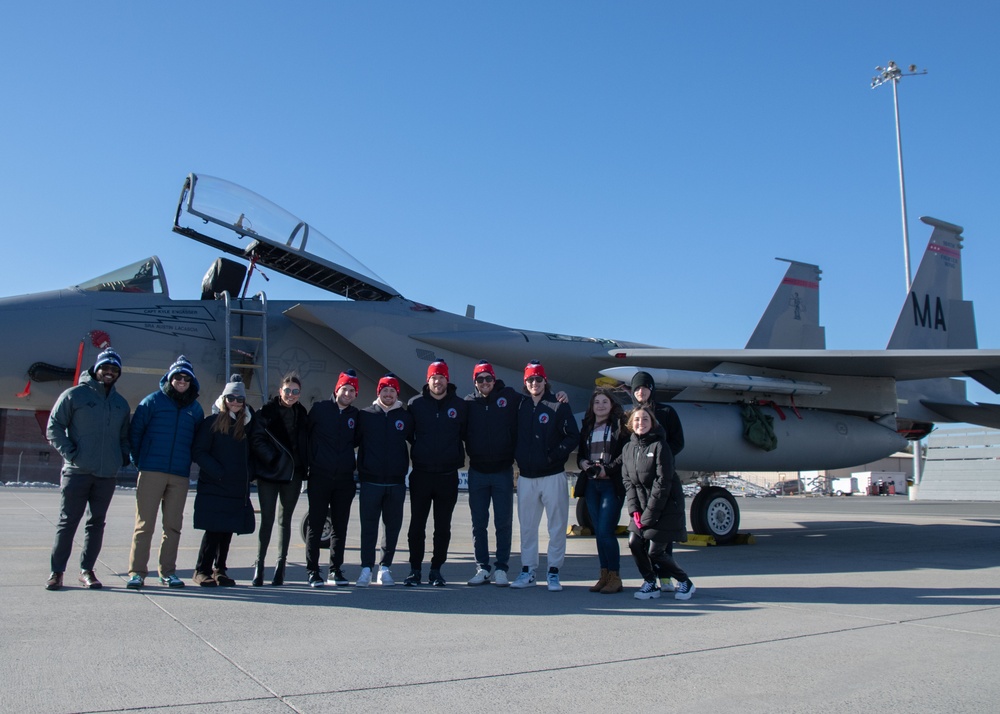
{"x":240,"y":222}
{"x":145,"y":276}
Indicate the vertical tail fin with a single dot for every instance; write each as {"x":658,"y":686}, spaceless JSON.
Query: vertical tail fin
{"x":791,"y":320}
{"x":934,"y":315}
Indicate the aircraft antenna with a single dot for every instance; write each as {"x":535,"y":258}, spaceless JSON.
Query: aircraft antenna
{"x":892,"y":73}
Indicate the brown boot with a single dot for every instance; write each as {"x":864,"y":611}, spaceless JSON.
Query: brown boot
{"x":596,"y":587}
{"x":614,"y":584}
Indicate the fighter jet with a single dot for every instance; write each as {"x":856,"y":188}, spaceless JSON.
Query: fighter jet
{"x":829,"y":408}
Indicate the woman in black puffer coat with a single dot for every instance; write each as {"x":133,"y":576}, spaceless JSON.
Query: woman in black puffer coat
{"x":222,"y":449}
{"x":655,"y":501}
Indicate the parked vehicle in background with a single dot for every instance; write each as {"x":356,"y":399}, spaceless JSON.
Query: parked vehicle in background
{"x":791,"y":487}
{"x":846,"y":486}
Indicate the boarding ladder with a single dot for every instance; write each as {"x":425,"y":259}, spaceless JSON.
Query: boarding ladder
{"x":246,"y":346}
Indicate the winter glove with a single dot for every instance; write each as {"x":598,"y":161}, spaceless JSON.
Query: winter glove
{"x":637,"y":519}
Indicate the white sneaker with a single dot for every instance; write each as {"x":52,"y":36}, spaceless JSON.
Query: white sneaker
{"x":666,"y":585}
{"x":385,"y":577}
{"x":500,"y":578}
{"x":365,"y":579}
{"x":481,"y":577}
{"x":554,"y":584}
{"x":647,"y":591}
{"x":524,"y":579}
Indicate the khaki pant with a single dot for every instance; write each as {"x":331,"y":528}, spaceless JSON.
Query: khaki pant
{"x":153,"y":489}
{"x":548,"y":494}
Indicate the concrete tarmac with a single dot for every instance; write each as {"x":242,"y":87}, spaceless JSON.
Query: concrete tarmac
{"x":851,"y":604}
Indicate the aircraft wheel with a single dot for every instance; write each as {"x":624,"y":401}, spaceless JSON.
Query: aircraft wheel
{"x":583,"y":515}
{"x":697,"y":522}
{"x":718,"y":514}
{"x":324,"y":537}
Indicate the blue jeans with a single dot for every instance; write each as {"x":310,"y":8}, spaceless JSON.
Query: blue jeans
{"x":605,"y":508}
{"x":499,"y":488}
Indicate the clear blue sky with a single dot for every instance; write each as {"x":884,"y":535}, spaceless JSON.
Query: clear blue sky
{"x":613,"y":169}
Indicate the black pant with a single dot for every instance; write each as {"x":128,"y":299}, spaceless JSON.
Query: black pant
{"x":268,"y":495}
{"x":383,"y":501}
{"x":439,"y":490}
{"x":334,"y":497}
{"x":654,"y":559}
{"x":213,"y":552}
{"x":79,"y":492}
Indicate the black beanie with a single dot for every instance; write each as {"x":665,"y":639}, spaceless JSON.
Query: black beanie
{"x":643,"y":379}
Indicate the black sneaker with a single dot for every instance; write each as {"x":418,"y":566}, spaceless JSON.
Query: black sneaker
{"x":338,"y":578}
{"x":412,"y":579}
{"x":436,"y":580}
{"x":684,"y":590}
{"x":315,"y":579}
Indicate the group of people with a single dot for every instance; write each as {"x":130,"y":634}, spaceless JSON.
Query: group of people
{"x":623,"y":460}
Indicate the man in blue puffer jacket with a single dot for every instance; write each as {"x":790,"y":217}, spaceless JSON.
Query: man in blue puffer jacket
{"x":160,"y":439}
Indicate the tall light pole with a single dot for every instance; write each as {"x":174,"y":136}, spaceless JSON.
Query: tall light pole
{"x":892,"y":73}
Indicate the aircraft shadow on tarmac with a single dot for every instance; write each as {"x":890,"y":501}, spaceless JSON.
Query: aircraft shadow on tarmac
{"x":850,"y":554}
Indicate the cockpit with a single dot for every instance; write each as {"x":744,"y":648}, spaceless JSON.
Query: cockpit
{"x":144,"y":276}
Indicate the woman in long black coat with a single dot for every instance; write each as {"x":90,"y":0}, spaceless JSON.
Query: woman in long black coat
{"x":655,"y":501}
{"x":222,"y":505}
{"x":284,"y":418}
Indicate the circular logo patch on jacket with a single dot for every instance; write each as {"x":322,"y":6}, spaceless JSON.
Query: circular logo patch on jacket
{"x":452,"y":413}
{"x":543,"y":418}
{"x":399,"y":425}
{"x":502,"y":402}
{"x":350,"y":423}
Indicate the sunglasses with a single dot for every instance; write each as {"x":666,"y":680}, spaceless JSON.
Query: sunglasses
{"x":180,"y":378}
{"x":234,"y":398}
{"x":532,"y":380}
{"x":286,"y":391}
{"x":484,"y":378}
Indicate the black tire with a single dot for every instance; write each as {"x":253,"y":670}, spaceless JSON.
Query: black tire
{"x":583,"y":515}
{"x":715,"y":513}
{"x":324,"y":538}
{"x":697,"y":524}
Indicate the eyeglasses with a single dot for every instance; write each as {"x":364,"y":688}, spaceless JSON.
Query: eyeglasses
{"x":234,"y":398}
{"x":181,"y":378}
{"x":488,"y":379}
{"x":532,"y":380}
{"x":286,"y":391}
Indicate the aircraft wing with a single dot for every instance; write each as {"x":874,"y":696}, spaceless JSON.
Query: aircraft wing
{"x":981,"y":365}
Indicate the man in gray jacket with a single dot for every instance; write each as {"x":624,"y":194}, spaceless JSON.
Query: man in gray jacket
{"x":88,"y":426}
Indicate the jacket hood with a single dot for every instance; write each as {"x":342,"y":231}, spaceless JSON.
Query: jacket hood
{"x":165,"y":382}
{"x":396,"y":405}
{"x":220,"y":406}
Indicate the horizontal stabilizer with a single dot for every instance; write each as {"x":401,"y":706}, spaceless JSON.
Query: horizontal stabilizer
{"x":988,"y":378}
{"x":987,"y":415}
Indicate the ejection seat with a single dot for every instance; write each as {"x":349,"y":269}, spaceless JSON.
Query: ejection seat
{"x":223,"y":275}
